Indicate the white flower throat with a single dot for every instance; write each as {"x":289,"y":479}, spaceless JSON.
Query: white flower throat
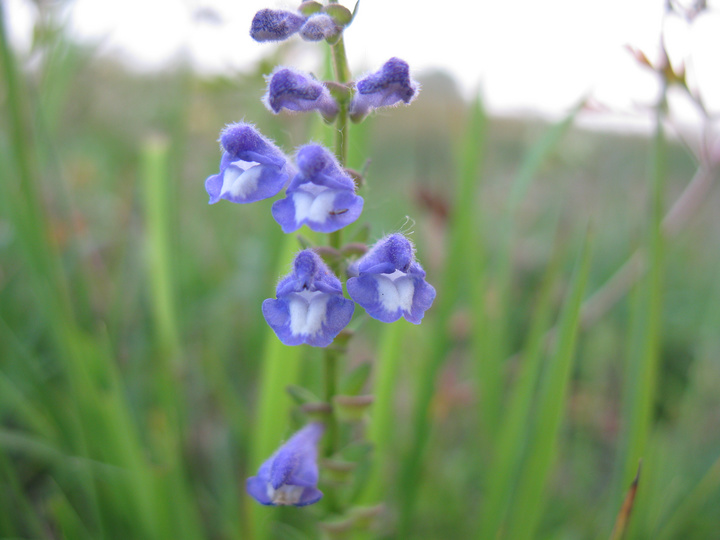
{"x":241,"y":178}
{"x":307,"y":312}
{"x":395,"y":291}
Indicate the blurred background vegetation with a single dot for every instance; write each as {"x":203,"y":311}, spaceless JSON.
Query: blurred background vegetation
{"x":132,"y":346}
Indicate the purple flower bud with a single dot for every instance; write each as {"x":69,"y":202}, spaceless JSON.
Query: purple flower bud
{"x":310,"y":307}
{"x":389,"y":283}
{"x":275,"y":25}
{"x":321,"y":196}
{"x":251,"y":168}
{"x":385,"y":88}
{"x":297,"y":91}
{"x":290,"y":475}
{"x":318,"y":27}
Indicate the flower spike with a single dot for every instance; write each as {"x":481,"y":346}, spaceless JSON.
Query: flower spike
{"x":275,"y":25}
{"x":290,"y":475}
{"x":389,"y":283}
{"x":321,"y":196}
{"x":387,"y":87}
{"x":310,"y":307}
{"x":251,"y":168}
{"x":296,"y":91}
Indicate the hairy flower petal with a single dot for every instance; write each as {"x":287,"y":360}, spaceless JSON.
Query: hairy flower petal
{"x":275,"y":25}
{"x":389,"y":283}
{"x":309,"y":306}
{"x":321,"y":196}
{"x":389,"y":86}
{"x":290,"y":475}
{"x":251,"y":168}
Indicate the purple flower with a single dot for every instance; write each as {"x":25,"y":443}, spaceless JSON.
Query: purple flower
{"x":319,"y":26}
{"x":310,"y":307}
{"x":387,"y":87}
{"x":297,"y":91}
{"x":389,"y":283}
{"x":290,"y":475}
{"x":275,"y":25}
{"x":321,"y":196}
{"x":251,"y":168}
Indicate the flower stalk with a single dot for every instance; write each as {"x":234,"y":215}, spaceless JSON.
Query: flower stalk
{"x":333,"y":357}
{"x":310,"y":305}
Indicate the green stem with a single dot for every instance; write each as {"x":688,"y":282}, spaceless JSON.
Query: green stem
{"x":342,"y":76}
{"x":331,"y":365}
{"x":333,"y":357}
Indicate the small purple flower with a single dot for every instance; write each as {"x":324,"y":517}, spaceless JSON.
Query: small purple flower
{"x":275,"y":25}
{"x":251,"y":168}
{"x":319,"y":26}
{"x":384,"y":88}
{"x":389,"y":283}
{"x":321,"y":196}
{"x":310,"y":307}
{"x":290,"y":475}
{"x":297,"y":91}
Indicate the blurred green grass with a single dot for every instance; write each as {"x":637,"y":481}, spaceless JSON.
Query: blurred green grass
{"x":129,"y":385}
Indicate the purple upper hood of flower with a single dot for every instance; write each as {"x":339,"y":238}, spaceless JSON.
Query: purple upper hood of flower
{"x":389,"y":283}
{"x":319,"y":26}
{"x":290,"y":475}
{"x":251,"y":168}
{"x":387,"y":87}
{"x":296,"y":91}
{"x":275,"y":25}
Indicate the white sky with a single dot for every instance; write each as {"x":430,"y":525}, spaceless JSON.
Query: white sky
{"x":526,"y":55}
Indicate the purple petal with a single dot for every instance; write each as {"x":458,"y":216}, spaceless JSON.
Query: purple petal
{"x":387,"y":87}
{"x":423,"y":299}
{"x":309,"y":307}
{"x":252,"y":168}
{"x":257,"y":489}
{"x":290,"y":476}
{"x":310,"y":495}
{"x":275,"y":25}
{"x":319,"y":26}
{"x":297,"y":91}
{"x":213,"y":185}
{"x":389,"y":284}
{"x":323,"y":210}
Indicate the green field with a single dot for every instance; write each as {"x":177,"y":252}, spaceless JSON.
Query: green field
{"x":140,"y":385}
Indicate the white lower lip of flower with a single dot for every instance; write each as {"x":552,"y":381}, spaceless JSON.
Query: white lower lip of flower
{"x":241,"y":178}
{"x":395,"y":291}
{"x":313,"y":207}
{"x":285,"y":495}
{"x":307,"y":312}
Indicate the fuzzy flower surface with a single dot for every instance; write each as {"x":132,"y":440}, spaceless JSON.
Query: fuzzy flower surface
{"x":275,"y":25}
{"x":251,"y":168}
{"x":319,"y":26}
{"x":321,"y":196}
{"x":387,"y":87}
{"x":389,"y":283}
{"x":290,"y":475}
{"x":310,"y":307}
{"x":296,"y":91}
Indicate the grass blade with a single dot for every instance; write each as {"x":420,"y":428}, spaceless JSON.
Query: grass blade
{"x":640,"y":377}
{"x":461,"y":236}
{"x":529,"y":497}
{"x":623,"y":518}
{"x":510,"y":443}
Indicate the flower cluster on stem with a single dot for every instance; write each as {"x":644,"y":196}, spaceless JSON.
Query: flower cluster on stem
{"x":318,"y":191}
